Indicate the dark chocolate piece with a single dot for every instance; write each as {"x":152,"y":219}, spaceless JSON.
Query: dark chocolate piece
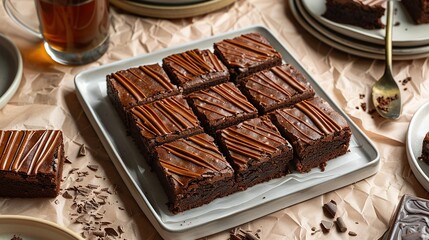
{"x":247,"y":54}
{"x":316,"y":131}
{"x":137,"y":86}
{"x":330,"y":208}
{"x":363,"y":13}
{"x":195,"y":69}
{"x":341,"y":225}
{"x":418,"y":10}
{"x":31,"y":163}
{"x":221,"y":106}
{"x":326,"y":225}
{"x":193,"y":172}
{"x":276,"y":87}
{"x":425,"y":149}
{"x":256,"y":151}
{"x":410,"y":220}
{"x":162,"y":121}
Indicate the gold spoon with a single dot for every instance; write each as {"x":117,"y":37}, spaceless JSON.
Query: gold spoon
{"x":386,"y":95}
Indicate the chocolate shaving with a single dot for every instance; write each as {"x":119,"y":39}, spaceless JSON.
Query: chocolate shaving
{"x":82,"y":150}
{"x":353,"y":234}
{"x":341,"y":225}
{"x":67,"y":195}
{"x":330,"y":209}
{"x":66,"y":160}
{"x":93,"y":167}
{"x":111,"y":232}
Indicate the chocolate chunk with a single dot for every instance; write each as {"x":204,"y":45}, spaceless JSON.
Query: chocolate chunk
{"x":67,"y":195}
{"x":82,"y":150}
{"x":341,"y":225}
{"x":326,"y":226}
{"x":93,"y":167}
{"x":330,"y":209}
{"x":353,"y":234}
{"x":111,"y":232}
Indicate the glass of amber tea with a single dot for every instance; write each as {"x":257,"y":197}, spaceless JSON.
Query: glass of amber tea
{"x":74,"y":31}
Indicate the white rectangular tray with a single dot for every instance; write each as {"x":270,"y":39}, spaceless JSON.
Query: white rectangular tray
{"x":224,"y":213}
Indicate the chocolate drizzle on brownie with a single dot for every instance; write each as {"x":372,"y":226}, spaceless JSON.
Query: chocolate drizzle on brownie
{"x":322,"y":120}
{"x":29,"y":152}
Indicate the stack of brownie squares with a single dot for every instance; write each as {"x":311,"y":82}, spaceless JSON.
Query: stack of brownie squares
{"x":214,"y":123}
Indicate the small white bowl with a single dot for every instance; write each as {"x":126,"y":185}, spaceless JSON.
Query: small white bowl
{"x":10,"y":69}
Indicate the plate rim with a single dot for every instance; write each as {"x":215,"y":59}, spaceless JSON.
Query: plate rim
{"x":13,"y":87}
{"x":41,"y":222}
{"x":421,"y":176}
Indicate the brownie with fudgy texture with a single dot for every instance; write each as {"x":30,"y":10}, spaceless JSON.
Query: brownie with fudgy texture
{"x":256,"y":151}
{"x":138,"y":85}
{"x":425,"y":149}
{"x":277,"y":87}
{"x":418,"y":10}
{"x":363,"y":13}
{"x":221,"y":106}
{"x":247,"y":54}
{"x":162,"y":121}
{"x":317,"y":132}
{"x":31,"y":163}
{"x":195,"y":69}
{"x":410,"y":220}
{"x":193,"y":172}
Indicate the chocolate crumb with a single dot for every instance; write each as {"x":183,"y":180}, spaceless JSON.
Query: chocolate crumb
{"x":363,"y":106}
{"x":93,"y":167}
{"x":82,"y":151}
{"x":67,"y":195}
{"x":353,"y":234}
{"x":405,"y":81}
{"x":313,"y":229}
{"x":397,"y":24}
{"x":66,"y":160}
{"x":405,"y":89}
{"x":361,"y":96}
{"x":111,"y":232}
{"x":99,"y":233}
{"x":330,"y":209}
{"x":357,"y":107}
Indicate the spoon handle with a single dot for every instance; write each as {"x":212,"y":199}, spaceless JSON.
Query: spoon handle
{"x":388,"y":37}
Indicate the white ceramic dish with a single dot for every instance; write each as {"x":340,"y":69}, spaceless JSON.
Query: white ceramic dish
{"x":29,"y":228}
{"x":10,"y":69}
{"x":344,"y":44}
{"x":416,"y":132}
{"x":224,"y":213}
{"x":357,"y":44}
{"x":406,"y":34}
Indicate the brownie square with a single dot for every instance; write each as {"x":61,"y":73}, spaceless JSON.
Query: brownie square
{"x":31,"y":163}
{"x":247,"y":54}
{"x":316,"y":131}
{"x":162,"y":121}
{"x":256,"y":151}
{"x":195,"y":69}
{"x":136,"y":86}
{"x":418,"y":10}
{"x":410,"y":220}
{"x":425,"y":149}
{"x":361,"y":13}
{"x":193,"y":172}
{"x":277,"y":87}
{"x":221,"y":106}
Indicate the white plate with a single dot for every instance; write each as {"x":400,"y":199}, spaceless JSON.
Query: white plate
{"x":406,"y":34}
{"x":224,"y":213}
{"x":29,"y":228}
{"x":342,"y":43}
{"x":357,"y":44}
{"x":416,"y":132}
{"x":10,"y":69}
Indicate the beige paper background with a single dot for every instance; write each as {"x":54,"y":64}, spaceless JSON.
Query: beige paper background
{"x":46,"y":98}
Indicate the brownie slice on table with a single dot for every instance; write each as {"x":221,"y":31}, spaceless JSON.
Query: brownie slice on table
{"x":276,"y":87}
{"x":256,"y":151}
{"x":195,"y":69}
{"x":139,"y":85}
{"x":247,"y":54}
{"x":221,"y":106}
{"x":193,"y":172}
{"x":362,"y":13}
{"x":425,"y":149}
{"x":31,"y":163}
{"x":316,"y":131}
{"x":418,"y":10}
{"x":162,"y":121}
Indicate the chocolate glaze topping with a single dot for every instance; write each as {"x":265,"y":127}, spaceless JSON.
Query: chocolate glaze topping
{"x":31,"y":152}
{"x":193,"y":157}
{"x":252,"y":139}
{"x":165,"y":116}
{"x":247,"y":50}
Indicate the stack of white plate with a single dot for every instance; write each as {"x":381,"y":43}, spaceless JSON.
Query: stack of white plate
{"x":410,"y":41}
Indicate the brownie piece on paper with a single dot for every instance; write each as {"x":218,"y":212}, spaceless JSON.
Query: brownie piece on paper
{"x":195,"y":69}
{"x":139,"y":85}
{"x":247,"y":54}
{"x":316,"y":131}
{"x":425,"y":149}
{"x":418,"y":10}
{"x":193,"y":172}
{"x":276,"y":87}
{"x":31,"y":163}
{"x":221,"y":106}
{"x":362,"y":13}
{"x":410,"y":220}
{"x":162,"y":121}
{"x":256,"y":151}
